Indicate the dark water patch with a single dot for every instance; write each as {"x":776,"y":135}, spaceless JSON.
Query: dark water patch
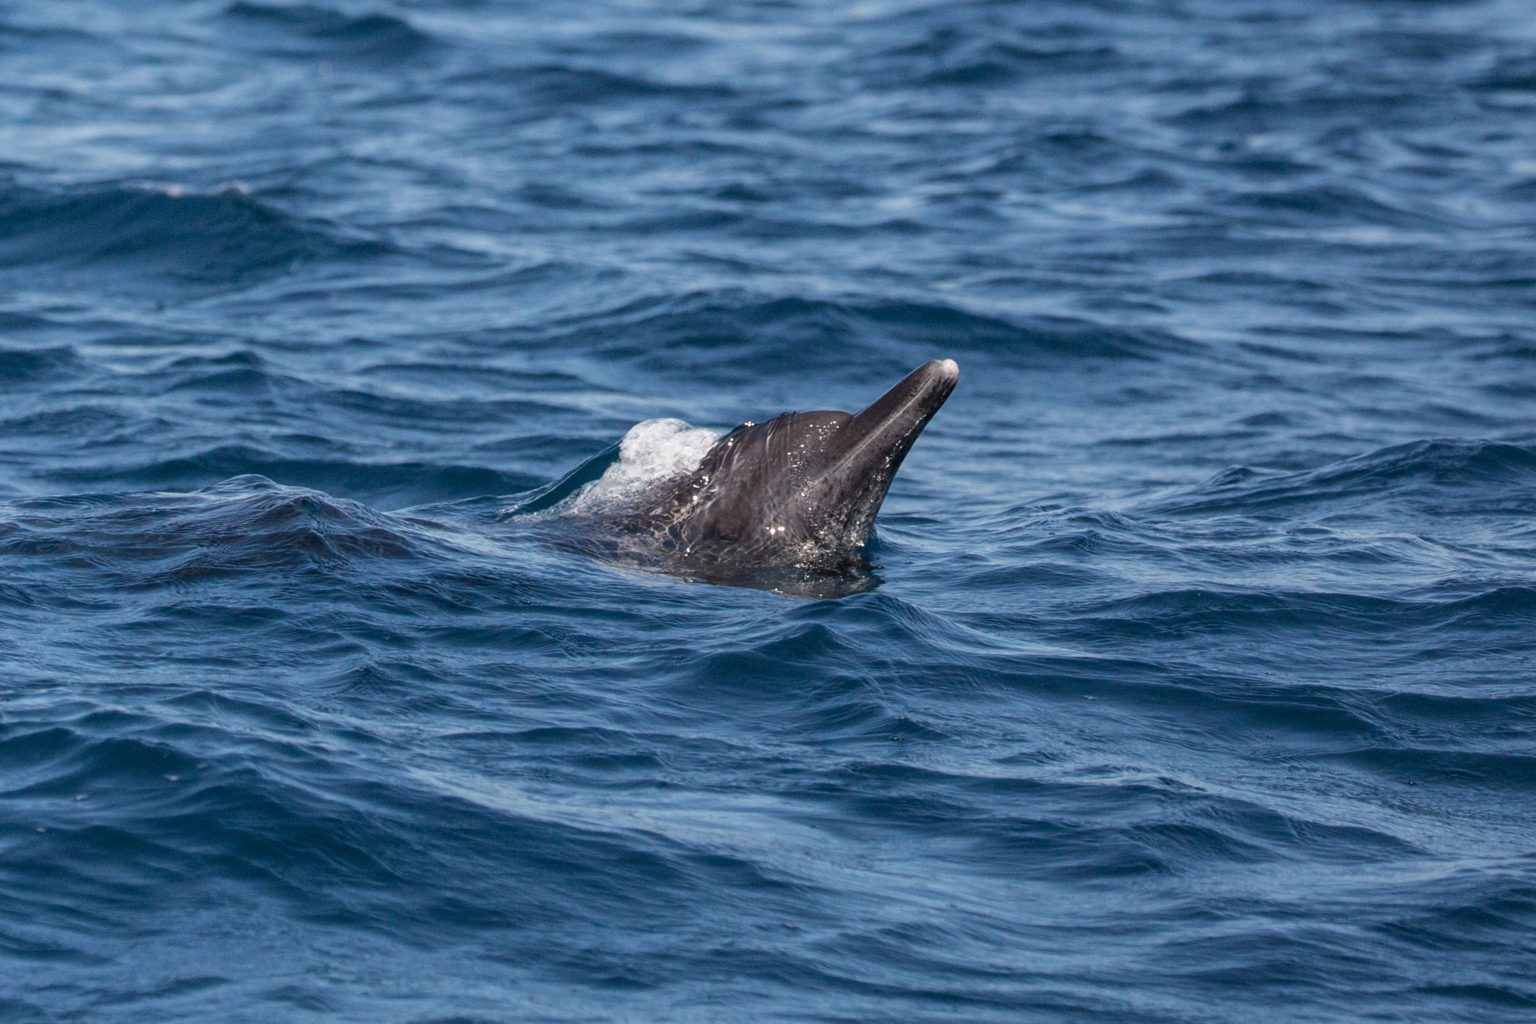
{"x":315,"y":32}
{"x":1010,"y":579}
{"x":656,"y":41}
{"x":1041,"y":336}
{"x":1489,"y":476}
{"x":84,"y":424}
{"x":1159,"y":826}
{"x":1179,"y":696}
{"x":1508,"y":997}
{"x":43,"y":43}
{"x":240,"y":377}
{"x":972,"y":57}
{"x":148,"y":238}
{"x":551,"y":88}
{"x":428,"y":373}
{"x":246,"y":524}
{"x":1185,"y":613}
{"x":564,"y":196}
{"x":1493,"y":607}
{"x":723,"y":324}
{"x":420,"y":414}
{"x":1470,"y":910}
{"x":1514,"y":771}
{"x":399,"y":484}
{"x":29,"y":367}
{"x":1324,"y":203}
{"x":1509,"y":717}
{"x":1509,"y":73}
{"x":22,"y":324}
{"x":1265,"y":110}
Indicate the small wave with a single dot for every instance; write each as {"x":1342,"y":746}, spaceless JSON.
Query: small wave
{"x":1482,"y":474}
{"x":1329,"y":615}
{"x":1352,"y":204}
{"x":31,"y":366}
{"x":81,"y":423}
{"x":588,"y":85}
{"x":952,"y":56}
{"x":1259,"y":110}
{"x":1462,"y":767}
{"x":147,"y":236}
{"x":246,"y":523}
{"x":757,"y":333}
{"x":48,"y":38}
{"x":558,"y":86}
{"x":400,"y":484}
{"x":313,"y":31}
{"x":1474,"y":908}
{"x":170,"y":804}
{"x":1508,"y":74}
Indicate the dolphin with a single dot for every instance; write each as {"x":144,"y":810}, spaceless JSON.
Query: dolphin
{"x":801,"y":489}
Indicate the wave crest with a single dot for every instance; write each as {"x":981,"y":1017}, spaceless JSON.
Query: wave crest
{"x":152,"y":235}
{"x":1478,"y":473}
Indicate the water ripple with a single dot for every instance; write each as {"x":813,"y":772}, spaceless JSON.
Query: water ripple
{"x":1189,"y":680}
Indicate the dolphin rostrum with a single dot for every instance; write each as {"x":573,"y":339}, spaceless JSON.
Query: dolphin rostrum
{"x":801,"y":489}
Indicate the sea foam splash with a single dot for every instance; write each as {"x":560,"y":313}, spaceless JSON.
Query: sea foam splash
{"x":651,"y":452}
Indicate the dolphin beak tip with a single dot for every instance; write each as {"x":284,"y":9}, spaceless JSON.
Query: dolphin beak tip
{"x":948,"y":367}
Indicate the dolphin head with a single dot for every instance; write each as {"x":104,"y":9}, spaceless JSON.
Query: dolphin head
{"x":804,"y":486}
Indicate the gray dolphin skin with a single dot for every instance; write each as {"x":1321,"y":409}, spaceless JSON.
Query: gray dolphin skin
{"x":803,"y":488}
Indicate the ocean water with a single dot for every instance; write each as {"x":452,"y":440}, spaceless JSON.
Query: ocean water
{"x":1193,"y":678}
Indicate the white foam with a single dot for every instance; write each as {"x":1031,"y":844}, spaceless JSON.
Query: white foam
{"x":651,"y":452}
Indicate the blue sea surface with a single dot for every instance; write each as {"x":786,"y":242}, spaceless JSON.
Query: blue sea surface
{"x":1194,"y":676}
